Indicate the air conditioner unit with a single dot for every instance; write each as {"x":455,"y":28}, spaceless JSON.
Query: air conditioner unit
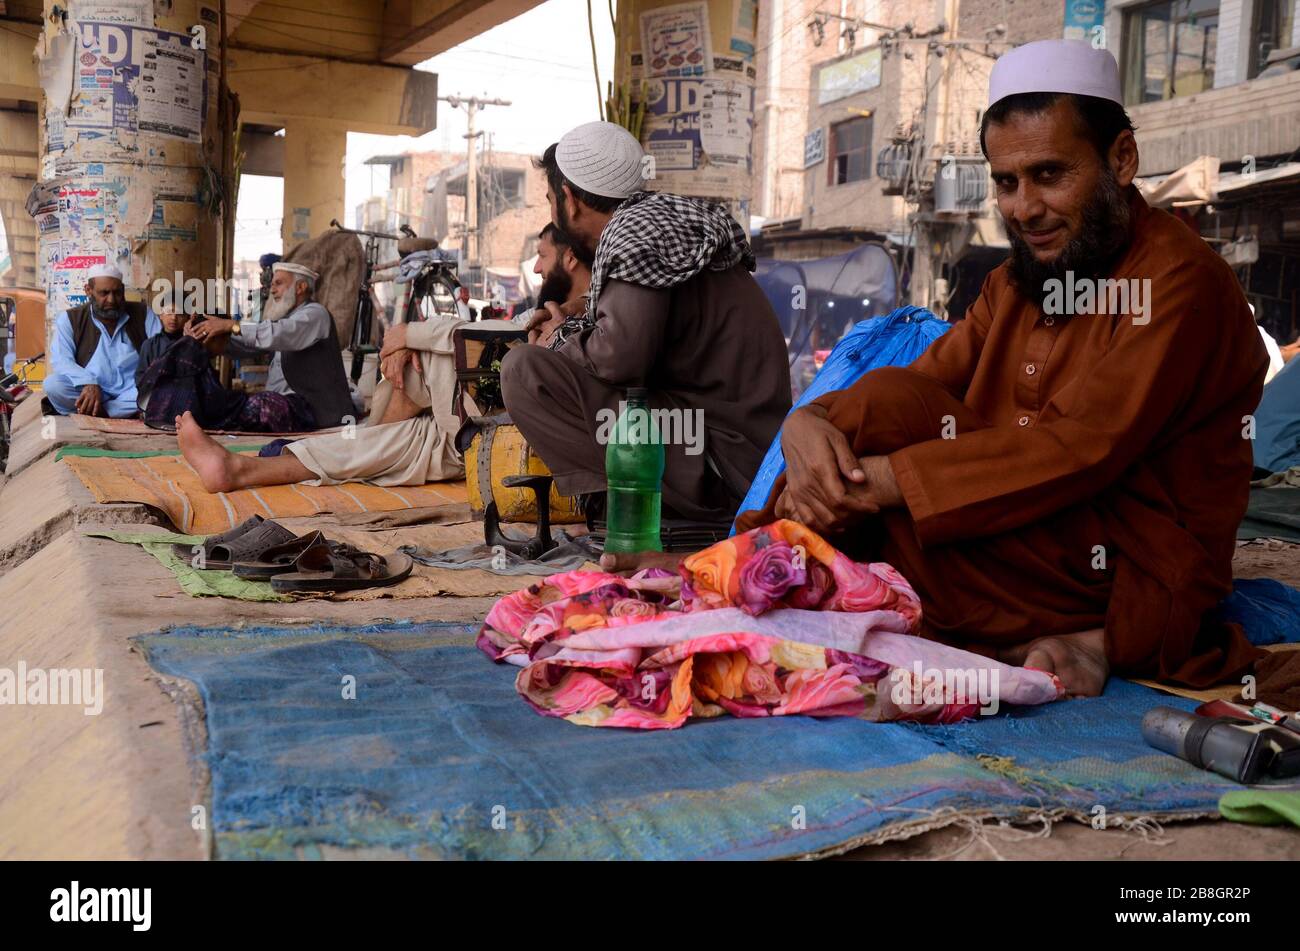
{"x":961,"y":184}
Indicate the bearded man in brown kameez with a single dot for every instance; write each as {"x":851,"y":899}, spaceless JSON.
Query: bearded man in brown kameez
{"x":1081,"y":515}
{"x":1062,"y":490}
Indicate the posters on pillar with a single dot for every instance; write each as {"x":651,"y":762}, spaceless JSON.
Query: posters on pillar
{"x":734,"y":67}
{"x":672,"y":124}
{"x":171,"y":92}
{"x":700,"y":132}
{"x":92,"y":102}
{"x":125,"y":12}
{"x":746,"y":27}
{"x":675,"y":41}
{"x":134,"y":79}
{"x":727,"y":122}
{"x":58,"y":71}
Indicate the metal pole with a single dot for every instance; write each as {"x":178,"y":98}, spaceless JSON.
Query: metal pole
{"x":472,"y":105}
{"x":471,"y":189}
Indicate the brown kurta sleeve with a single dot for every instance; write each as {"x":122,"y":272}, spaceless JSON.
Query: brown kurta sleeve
{"x":1007,"y":476}
{"x":624,"y":345}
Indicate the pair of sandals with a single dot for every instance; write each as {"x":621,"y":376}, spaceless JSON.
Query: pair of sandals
{"x":263,"y":550}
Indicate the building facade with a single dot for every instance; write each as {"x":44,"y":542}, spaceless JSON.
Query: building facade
{"x":867,"y":105}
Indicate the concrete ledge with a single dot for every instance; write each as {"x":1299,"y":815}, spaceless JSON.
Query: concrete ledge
{"x":122,"y":784}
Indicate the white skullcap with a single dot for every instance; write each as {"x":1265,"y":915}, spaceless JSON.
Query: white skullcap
{"x":1072,"y":66}
{"x":103,"y":270}
{"x":295,"y":269}
{"x":602,"y":158}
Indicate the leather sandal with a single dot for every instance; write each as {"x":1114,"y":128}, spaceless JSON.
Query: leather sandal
{"x":242,"y":543}
{"x":335,"y":566}
{"x":277,"y":559}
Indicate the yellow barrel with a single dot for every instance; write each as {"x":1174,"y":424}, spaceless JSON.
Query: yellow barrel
{"x":497,"y":451}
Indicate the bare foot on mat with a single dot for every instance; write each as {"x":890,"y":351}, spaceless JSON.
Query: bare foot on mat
{"x":215,"y":466}
{"x":1079,"y":660}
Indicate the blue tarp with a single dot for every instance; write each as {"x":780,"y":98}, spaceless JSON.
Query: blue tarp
{"x":1267,"y":610}
{"x":437,"y":756}
{"x":894,"y":340}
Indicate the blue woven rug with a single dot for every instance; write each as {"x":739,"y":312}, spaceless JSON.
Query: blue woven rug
{"x":438,"y":757}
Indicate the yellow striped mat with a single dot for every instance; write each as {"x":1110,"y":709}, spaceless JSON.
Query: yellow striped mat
{"x":168,"y":483}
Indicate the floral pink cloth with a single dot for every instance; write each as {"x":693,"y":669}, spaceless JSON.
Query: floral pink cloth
{"x":768,"y":623}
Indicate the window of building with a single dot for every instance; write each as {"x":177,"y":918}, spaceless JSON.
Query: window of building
{"x":1169,"y":49}
{"x":850,"y":151}
{"x":500,"y":189}
{"x":1272,"y":29}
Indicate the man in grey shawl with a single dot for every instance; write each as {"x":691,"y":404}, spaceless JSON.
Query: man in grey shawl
{"x":673,"y":308}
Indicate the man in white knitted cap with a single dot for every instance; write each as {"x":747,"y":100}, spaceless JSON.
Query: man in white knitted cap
{"x":306,"y":387}
{"x":672,"y":307}
{"x":96,"y":349}
{"x":1061,"y":475}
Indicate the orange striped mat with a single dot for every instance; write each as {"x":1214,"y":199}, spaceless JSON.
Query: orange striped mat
{"x":168,"y":483}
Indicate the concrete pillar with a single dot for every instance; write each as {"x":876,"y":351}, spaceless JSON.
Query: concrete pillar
{"x":699,"y":120}
{"x":18,"y":161}
{"x":314,"y":177}
{"x":132,"y":173}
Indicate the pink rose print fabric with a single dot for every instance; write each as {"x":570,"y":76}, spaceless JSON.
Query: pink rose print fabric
{"x":769,"y":623}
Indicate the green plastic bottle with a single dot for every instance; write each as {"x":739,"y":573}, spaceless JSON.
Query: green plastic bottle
{"x":634,"y":472}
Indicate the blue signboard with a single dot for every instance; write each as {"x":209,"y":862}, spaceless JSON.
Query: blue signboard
{"x":1081,"y":16}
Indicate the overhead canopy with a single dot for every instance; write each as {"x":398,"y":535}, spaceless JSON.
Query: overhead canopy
{"x":1196,"y":183}
{"x":1199,"y":183}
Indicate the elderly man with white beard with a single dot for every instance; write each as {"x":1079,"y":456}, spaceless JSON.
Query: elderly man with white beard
{"x":306,"y":387}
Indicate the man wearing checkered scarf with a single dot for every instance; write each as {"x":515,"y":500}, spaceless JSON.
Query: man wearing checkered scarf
{"x":674,"y":308}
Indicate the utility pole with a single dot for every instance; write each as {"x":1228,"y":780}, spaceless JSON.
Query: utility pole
{"x":472,"y":105}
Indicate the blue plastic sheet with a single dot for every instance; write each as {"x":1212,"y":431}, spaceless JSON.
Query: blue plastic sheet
{"x":894,"y":340}
{"x":433,"y":754}
{"x":1267,"y":610}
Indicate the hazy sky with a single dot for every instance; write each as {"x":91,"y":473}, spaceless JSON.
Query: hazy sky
{"x":540,"y":61}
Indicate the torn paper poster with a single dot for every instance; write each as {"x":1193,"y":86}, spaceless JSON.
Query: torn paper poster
{"x":126,"y":12}
{"x":170,"y":92}
{"x":675,"y":40}
{"x":57,"y":72}
{"x":727,"y":121}
{"x":672,"y":124}
{"x":123,"y":71}
{"x":746,"y":28}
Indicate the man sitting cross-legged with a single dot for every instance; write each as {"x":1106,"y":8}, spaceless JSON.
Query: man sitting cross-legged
{"x":673,"y":308}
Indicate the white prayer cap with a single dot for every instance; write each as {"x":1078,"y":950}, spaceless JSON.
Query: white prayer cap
{"x":295,"y":269}
{"x":602,"y":158}
{"x":1072,"y":66}
{"x":103,"y":270}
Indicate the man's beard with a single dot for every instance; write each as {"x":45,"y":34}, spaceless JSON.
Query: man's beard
{"x":276,"y":308}
{"x":1102,"y":236}
{"x":556,"y":286}
{"x":567,"y":227}
{"x":105,"y":313}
